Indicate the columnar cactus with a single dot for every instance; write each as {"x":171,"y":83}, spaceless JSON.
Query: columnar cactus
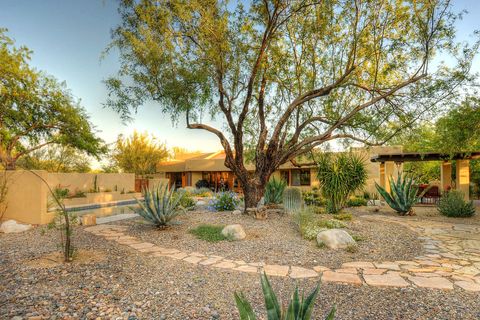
{"x":292,"y":199}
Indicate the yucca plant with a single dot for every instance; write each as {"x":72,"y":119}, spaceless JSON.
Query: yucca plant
{"x":274,"y":191}
{"x":298,"y":309}
{"x":402,"y":195}
{"x":340,"y":176}
{"x":160,"y":205}
{"x":292,"y":199}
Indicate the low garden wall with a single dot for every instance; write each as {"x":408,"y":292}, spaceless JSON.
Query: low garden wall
{"x":86,"y":181}
{"x":28,"y":197}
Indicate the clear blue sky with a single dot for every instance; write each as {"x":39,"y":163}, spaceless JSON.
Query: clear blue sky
{"x":68,"y":37}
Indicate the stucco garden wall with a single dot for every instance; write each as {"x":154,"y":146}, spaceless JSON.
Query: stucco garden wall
{"x":85,"y":181}
{"x":28,"y":196}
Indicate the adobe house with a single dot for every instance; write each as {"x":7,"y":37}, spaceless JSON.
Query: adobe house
{"x":185,"y":172}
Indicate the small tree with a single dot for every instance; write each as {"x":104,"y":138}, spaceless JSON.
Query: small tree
{"x":340,"y":176}
{"x":63,"y":221}
{"x":36,"y":110}
{"x":139,"y":153}
{"x":56,"y":158}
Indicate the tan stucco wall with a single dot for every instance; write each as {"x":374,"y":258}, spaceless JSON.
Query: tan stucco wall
{"x":84,"y":181}
{"x":196,"y":176}
{"x":27,"y":197}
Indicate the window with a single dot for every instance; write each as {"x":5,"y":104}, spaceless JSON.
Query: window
{"x":284,"y":175}
{"x":300,"y":177}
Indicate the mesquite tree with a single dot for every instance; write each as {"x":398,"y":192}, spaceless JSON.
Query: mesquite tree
{"x":286,"y":76}
{"x":36,"y":110}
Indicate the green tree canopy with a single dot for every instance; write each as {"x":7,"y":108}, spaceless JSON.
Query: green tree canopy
{"x":36,"y":110}
{"x":56,"y":158}
{"x":139,"y":153}
{"x":287,"y":76}
{"x":457,"y":130}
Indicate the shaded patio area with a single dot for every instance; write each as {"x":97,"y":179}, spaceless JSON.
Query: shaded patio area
{"x":392,"y":162}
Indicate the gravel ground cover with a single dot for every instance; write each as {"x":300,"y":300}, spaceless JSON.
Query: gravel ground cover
{"x":126,"y":284}
{"x":423,"y":212}
{"x":277,"y":240}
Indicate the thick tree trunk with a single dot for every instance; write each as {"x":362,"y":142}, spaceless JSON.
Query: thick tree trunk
{"x":10,"y":164}
{"x":253,"y":193}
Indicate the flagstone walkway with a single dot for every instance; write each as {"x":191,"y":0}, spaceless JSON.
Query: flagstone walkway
{"x":452,"y":258}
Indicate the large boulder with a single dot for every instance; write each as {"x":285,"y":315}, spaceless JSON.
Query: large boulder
{"x":234,"y":232}
{"x":12,"y":226}
{"x":335,"y":239}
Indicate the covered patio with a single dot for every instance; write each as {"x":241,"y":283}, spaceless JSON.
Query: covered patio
{"x":391,"y":162}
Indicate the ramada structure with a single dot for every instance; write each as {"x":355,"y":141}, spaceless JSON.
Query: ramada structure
{"x":389,"y":162}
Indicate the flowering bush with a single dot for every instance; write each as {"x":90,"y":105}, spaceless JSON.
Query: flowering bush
{"x":224,"y":201}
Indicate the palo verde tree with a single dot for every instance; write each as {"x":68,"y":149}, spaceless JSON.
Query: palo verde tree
{"x":138,"y":153}
{"x":286,"y":76}
{"x":36,"y":110}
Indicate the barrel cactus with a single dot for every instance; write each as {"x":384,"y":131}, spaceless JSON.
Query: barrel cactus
{"x":292,"y":199}
{"x":402,"y":195}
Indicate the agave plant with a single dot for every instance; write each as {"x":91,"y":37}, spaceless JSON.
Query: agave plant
{"x":274,"y":191}
{"x":403,"y":194}
{"x":298,"y":309}
{"x":160,"y":205}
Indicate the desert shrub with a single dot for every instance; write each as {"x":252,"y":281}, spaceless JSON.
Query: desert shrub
{"x":186,"y":200}
{"x":298,"y":308}
{"x":224,"y":201}
{"x":78,"y":194}
{"x":343,"y":216}
{"x":340,"y":176}
{"x":309,"y":225}
{"x":292,"y":199}
{"x":203,"y":192}
{"x":61,"y":192}
{"x":356,"y":202}
{"x":160,"y":205}
{"x":208,"y":232}
{"x":331,"y":224}
{"x":402,"y":195}
{"x":452,"y":204}
{"x":274,"y":191}
{"x":312,"y":198}
{"x":202,"y":184}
